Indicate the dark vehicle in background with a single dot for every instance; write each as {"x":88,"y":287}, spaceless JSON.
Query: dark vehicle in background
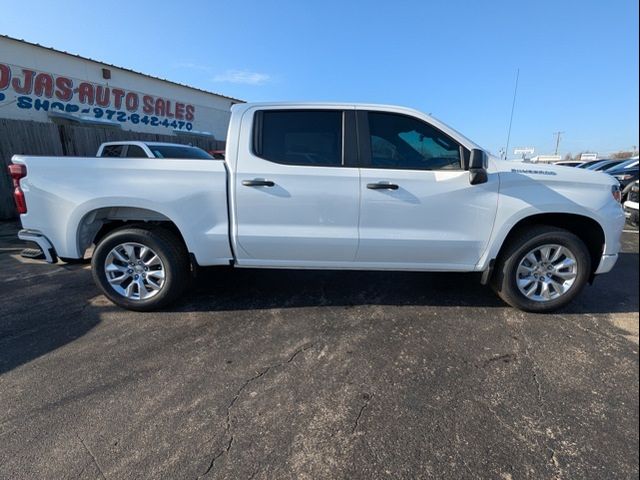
{"x":631,"y":205}
{"x":623,"y":164}
{"x":604,"y":165}
{"x":626,"y":173}
{"x":589,"y":163}
{"x":569,"y":163}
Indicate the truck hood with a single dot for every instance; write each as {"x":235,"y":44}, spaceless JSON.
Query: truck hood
{"x":551,"y":174}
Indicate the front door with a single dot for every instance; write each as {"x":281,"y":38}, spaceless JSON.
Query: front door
{"x":418,"y":209}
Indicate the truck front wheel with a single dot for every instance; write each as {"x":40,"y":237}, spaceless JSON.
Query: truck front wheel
{"x":141,"y":269}
{"x":542,"y":269}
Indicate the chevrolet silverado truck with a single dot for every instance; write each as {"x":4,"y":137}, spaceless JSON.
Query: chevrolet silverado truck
{"x":325,"y":186}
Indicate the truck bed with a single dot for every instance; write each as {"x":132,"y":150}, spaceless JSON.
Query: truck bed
{"x":66,"y":197}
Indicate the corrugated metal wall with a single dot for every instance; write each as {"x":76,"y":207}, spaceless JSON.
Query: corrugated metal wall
{"x":36,"y":138}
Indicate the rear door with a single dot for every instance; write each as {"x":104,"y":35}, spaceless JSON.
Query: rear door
{"x":419,"y":210}
{"x":296,"y":188}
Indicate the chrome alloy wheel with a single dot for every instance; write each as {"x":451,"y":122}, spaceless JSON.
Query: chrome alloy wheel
{"x":547,"y":272}
{"x":134,"y":271}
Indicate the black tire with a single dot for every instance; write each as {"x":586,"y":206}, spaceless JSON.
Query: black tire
{"x":504,"y":280}
{"x":166,"y":245}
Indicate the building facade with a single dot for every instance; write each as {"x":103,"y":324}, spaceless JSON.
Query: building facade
{"x":46,"y":85}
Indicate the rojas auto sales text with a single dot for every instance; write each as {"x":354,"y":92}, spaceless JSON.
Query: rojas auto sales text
{"x":111,"y":103}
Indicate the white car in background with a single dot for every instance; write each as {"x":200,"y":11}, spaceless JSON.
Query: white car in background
{"x":136,"y":149}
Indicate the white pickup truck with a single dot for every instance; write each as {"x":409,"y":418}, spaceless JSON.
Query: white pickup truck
{"x":325,"y":186}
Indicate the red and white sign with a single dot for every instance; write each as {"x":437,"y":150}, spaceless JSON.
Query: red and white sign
{"x":29,"y":89}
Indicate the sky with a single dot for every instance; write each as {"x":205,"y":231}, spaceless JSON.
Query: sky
{"x":456,"y":60}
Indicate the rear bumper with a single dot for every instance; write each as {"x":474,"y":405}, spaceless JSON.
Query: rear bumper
{"x":42,"y":241}
{"x":607,"y":262}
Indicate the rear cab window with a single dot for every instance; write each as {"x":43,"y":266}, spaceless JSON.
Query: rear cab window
{"x":112,"y":151}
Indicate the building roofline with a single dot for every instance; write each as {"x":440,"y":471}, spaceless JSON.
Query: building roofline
{"x":120,"y":68}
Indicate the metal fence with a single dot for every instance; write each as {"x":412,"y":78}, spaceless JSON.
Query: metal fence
{"x":36,"y":138}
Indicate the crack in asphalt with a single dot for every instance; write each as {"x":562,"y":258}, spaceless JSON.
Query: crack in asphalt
{"x":509,"y":427}
{"x":460,"y":455}
{"x":553,"y":460}
{"x":93,"y":457}
{"x":533,"y":444}
{"x":615,"y":339}
{"x":534,"y":374}
{"x":233,"y":401}
{"x":534,"y":368}
{"x":506,"y":358}
{"x":367,"y":399}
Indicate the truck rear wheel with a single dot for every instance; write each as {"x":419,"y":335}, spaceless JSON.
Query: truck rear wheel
{"x":542,"y":269}
{"x":141,"y":269}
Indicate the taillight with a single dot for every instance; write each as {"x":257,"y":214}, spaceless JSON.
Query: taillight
{"x":18,"y":171}
{"x":617,"y":194}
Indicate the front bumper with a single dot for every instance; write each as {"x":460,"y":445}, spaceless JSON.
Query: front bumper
{"x":42,"y":242}
{"x":607,"y":262}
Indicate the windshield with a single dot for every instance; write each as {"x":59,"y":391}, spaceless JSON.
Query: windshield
{"x":599,"y":164}
{"x":621,"y":166}
{"x":589,"y":163}
{"x":179,"y":151}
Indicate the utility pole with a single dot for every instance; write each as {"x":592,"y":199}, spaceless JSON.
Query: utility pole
{"x":557,"y":135}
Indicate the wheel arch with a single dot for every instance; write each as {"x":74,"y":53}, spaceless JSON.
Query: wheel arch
{"x":97,"y":223}
{"x":585,"y":228}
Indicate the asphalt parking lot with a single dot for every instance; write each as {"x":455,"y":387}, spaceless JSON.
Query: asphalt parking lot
{"x":312,"y":375}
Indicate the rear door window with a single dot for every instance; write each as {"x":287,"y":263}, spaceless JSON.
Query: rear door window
{"x":299,"y":137}
{"x":112,"y":151}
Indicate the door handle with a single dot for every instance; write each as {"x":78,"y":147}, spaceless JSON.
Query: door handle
{"x":382,"y":186}
{"x":258,"y":183}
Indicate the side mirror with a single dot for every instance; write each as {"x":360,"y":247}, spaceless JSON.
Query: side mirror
{"x":478,"y":167}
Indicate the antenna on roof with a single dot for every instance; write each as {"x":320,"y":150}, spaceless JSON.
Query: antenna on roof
{"x":513,"y":105}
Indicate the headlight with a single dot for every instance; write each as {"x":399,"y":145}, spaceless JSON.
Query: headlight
{"x":617,"y":194}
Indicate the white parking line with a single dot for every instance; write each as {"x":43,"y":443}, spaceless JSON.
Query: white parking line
{"x":630,"y":231}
